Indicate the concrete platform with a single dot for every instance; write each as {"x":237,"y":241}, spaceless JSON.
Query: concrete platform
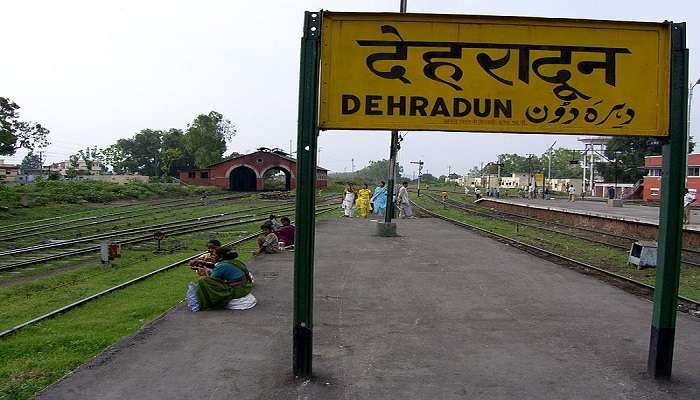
{"x":630,"y":212}
{"x":438,"y":313}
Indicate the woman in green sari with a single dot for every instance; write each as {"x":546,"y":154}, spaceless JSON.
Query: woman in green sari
{"x":228,"y":285}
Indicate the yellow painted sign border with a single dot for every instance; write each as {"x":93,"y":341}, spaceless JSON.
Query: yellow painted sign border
{"x":664,"y":62}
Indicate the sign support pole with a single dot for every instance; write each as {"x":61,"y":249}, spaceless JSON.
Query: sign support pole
{"x":392,"y":173}
{"x":307,"y":142}
{"x":675,"y":153}
{"x":387,"y":228}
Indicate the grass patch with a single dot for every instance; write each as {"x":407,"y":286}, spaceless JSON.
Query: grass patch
{"x":41,"y":354}
{"x":42,"y":193}
{"x":606,"y":257}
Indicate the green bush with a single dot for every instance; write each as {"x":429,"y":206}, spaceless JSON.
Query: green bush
{"x":45,"y":192}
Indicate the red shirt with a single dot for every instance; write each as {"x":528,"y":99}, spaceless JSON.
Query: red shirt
{"x":286,"y":234}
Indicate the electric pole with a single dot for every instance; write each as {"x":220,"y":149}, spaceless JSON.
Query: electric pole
{"x":388,"y":229}
{"x":549,"y":170}
{"x":420,"y":172}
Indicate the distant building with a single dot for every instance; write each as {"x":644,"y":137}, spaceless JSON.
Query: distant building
{"x":64,"y":166}
{"x":562,"y":184}
{"x":652,"y":180}
{"x":8,"y":172}
{"x":246,"y":173}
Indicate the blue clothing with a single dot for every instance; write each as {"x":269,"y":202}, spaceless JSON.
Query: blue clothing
{"x":226,"y":272}
{"x":379,"y":200}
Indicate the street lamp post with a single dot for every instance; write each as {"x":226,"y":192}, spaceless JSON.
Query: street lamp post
{"x":690,"y":103}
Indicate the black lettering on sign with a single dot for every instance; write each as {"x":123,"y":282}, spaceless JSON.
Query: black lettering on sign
{"x":401,"y":105}
{"x":461,"y":107}
{"x":418,"y":105}
{"x":499,"y":108}
{"x":372,"y":105}
{"x":347,"y":108}
{"x":440,"y":108}
{"x":487,"y":107}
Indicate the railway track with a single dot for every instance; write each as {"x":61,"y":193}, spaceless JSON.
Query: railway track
{"x":631,"y":285}
{"x":128,"y":283}
{"x":214,"y":218}
{"x":142,"y":234}
{"x":26,"y":232}
{"x":690,"y":257}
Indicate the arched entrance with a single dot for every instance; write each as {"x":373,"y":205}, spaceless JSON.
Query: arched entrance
{"x":277,"y":178}
{"x":242,"y":179}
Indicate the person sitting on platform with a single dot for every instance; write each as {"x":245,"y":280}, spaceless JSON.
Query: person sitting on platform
{"x":273,"y":221}
{"x":208,"y":259}
{"x":228,"y":285}
{"x":267,"y":242}
{"x":285,"y":234}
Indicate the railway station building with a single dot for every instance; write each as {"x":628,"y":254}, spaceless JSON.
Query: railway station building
{"x":249,"y":172}
{"x":652,"y":180}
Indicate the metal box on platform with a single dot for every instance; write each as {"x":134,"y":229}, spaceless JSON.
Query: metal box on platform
{"x":643,"y":254}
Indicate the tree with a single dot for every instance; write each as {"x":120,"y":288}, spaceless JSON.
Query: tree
{"x":561,"y":163}
{"x":206,"y":137}
{"x":16,"y":134}
{"x":627,"y":156}
{"x":31,"y":162}
{"x":375,"y":171}
{"x":428,"y":178}
{"x":73,"y":164}
{"x":115,"y":157}
{"x":173,"y":156}
{"x":139,"y":154}
{"x":90,"y":156}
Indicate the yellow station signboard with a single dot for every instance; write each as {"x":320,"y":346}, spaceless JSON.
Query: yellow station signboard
{"x":494,"y":74}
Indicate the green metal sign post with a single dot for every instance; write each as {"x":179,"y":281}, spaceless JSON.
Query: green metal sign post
{"x":670,"y":219}
{"x":675,"y":153}
{"x":306,"y":195}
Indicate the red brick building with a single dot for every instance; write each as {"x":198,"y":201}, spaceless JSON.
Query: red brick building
{"x":652,"y":181}
{"x":247,"y":173}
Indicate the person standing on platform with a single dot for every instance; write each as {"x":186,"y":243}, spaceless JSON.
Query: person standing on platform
{"x":363,"y":201}
{"x":403,"y":202}
{"x":477,"y":193}
{"x":688,"y":201}
{"x":349,"y":198}
{"x":379,"y":199}
{"x":572,"y":193}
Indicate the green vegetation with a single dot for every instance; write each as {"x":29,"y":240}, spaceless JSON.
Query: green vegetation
{"x":609,"y":258}
{"x":41,"y":354}
{"x":16,"y":134}
{"x":371,"y":174}
{"x":61,"y":192}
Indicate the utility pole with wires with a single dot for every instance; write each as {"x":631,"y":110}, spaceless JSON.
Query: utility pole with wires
{"x":420,"y":173}
{"x":387,"y":228}
{"x":549,"y":169}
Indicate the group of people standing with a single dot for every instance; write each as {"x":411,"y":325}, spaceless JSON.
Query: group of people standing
{"x":366,"y":202}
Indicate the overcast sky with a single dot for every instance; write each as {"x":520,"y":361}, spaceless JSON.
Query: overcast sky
{"x":96,"y":71}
